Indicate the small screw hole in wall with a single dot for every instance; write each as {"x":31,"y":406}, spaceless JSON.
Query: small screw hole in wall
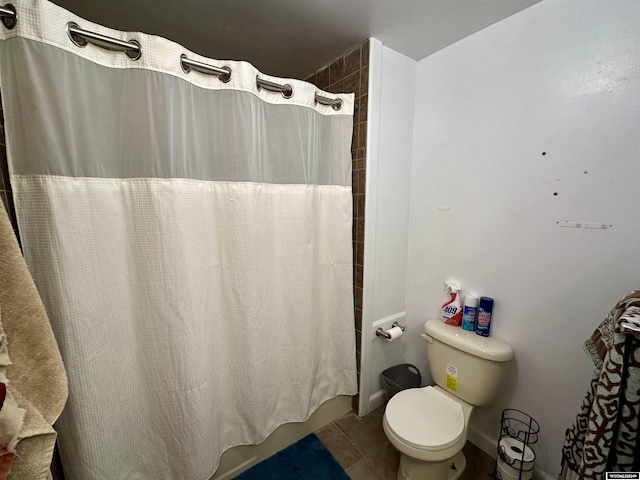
{"x":544,"y":153}
{"x":555,"y":194}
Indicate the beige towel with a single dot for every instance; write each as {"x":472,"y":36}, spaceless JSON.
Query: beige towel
{"x":37,"y":379}
{"x":11,"y":415}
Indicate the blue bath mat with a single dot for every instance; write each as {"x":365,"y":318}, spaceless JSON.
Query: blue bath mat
{"x":307,"y":459}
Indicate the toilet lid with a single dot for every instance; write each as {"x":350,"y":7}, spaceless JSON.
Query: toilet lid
{"x":425,"y":418}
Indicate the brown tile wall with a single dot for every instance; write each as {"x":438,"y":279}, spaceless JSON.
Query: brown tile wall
{"x":350,"y":74}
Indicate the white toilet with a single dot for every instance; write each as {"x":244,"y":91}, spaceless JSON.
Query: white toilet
{"x":428,"y":425}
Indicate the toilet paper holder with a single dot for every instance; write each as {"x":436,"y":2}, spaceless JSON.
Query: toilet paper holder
{"x":383,"y":333}
{"x":516,"y":458}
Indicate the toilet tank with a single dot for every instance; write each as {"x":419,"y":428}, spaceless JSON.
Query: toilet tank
{"x":469,"y":366}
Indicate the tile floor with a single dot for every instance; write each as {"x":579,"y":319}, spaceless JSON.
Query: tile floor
{"x":362,"y":449}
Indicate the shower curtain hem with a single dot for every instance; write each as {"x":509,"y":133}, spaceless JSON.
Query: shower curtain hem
{"x":312,"y":411}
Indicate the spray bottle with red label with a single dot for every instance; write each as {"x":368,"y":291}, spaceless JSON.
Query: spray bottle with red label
{"x":452,"y":310}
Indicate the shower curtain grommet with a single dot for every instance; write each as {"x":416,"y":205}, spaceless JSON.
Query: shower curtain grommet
{"x":288,"y":93}
{"x":10,"y":21}
{"x":225,"y":78}
{"x":185,"y":68}
{"x":337,"y":106}
{"x":79,"y":41}
{"x":134,"y":54}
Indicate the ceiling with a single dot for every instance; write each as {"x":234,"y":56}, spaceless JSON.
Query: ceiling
{"x":295,"y":38}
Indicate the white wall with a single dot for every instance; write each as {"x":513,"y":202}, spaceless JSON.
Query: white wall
{"x":389,"y":146}
{"x":561,"y":77}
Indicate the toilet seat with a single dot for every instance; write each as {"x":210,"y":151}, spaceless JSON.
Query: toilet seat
{"x":425,"y":419}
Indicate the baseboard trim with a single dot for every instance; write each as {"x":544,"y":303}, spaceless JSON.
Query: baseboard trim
{"x":376,"y":400}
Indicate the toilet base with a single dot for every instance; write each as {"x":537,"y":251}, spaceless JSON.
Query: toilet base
{"x":412,"y":469}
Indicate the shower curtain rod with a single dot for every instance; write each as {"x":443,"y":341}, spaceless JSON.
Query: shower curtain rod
{"x":81,"y":38}
{"x":133,"y":50}
{"x":224,"y":74}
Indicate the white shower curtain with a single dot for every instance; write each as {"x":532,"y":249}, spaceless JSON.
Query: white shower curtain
{"x":190,"y":238}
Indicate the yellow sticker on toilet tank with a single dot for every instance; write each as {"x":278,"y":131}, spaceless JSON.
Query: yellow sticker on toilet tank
{"x":452,"y":378}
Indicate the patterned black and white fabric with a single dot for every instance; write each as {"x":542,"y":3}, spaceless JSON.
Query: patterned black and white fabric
{"x":604,"y":436}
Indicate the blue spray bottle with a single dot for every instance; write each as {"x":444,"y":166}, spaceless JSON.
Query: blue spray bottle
{"x":485,"y":309}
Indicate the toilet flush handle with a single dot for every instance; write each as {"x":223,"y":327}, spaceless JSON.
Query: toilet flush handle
{"x":427,"y":338}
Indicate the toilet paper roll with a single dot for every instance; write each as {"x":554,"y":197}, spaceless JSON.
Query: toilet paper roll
{"x":395,"y":332}
{"x":516,"y":453}
{"x":509,"y":473}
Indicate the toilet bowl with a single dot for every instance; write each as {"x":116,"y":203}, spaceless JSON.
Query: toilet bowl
{"x":429,"y":429}
{"x":429,"y":425}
